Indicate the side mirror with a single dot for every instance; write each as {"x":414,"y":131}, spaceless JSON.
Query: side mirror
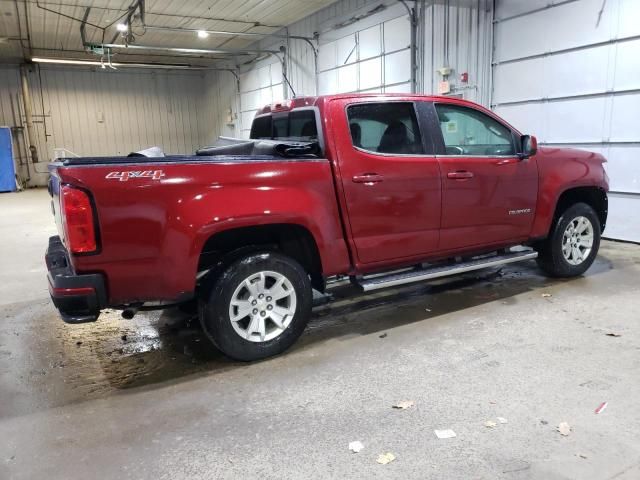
{"x":529,"y":146}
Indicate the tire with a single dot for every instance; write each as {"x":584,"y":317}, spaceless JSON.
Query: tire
{"x":557,"y":256}
{"x":263,"y":325}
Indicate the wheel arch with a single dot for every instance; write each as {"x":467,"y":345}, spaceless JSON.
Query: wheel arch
{"x":593,"y":196}
{"x":294,"y":240}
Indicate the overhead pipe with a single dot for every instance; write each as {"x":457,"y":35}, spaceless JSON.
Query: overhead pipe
{"x":413,"y":19}
{"x":308,"y":40}
{"x":218,"y":51}
{"x":226,"y":32}
{"x":26,"y":101}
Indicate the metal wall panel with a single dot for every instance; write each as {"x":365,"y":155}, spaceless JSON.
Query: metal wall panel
{"x":465,"y":46}
{"x":569,"y":73}
{"x":258,"y":87}
{"x":511,"y":8}
{"x":108,"y":112}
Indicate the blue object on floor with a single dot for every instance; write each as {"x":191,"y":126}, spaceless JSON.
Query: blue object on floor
{"x":7,"y":167}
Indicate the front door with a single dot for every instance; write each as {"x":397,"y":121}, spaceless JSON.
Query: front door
{"x":488,"y":193}
{"x":390,"y":180}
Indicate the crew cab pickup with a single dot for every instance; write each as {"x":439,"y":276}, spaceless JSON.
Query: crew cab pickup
{"x":382,"y":189}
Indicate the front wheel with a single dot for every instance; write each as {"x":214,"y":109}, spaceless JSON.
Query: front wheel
{"x":573,"y":243}
{"x":258,"y":307}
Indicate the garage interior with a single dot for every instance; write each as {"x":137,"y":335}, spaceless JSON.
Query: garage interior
{"x":150,"y":398}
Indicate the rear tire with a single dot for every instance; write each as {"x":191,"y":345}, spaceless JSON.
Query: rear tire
{"x":258,"y":306}
{"x":572,"y":244}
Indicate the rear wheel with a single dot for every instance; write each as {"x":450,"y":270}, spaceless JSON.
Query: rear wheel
{"x":573,"y":243}
{"x":258,"y":307}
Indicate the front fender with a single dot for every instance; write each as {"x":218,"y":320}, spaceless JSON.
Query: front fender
{"x":561,"y":170}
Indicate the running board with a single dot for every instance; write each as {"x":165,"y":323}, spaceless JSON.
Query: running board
{"x":401,"y":278}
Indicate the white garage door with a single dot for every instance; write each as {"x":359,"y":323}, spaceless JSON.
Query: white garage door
{"x":258,"y":87}
{"x":569,"y":73}
{"x":376,"y":59}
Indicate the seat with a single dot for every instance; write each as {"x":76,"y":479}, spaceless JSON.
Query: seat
{"x":395,"y":139}
{"x":356,"y":134}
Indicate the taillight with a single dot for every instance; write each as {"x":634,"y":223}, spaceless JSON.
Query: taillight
{"x":79,"y":222}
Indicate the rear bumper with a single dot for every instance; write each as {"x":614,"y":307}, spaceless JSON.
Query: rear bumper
{"x":78,"y":298}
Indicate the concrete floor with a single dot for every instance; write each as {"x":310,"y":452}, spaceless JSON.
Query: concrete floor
{"x":148,"y":398}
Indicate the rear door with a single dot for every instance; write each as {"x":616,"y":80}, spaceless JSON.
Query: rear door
{"x":390,"y":179}
{"x":488,"y":193}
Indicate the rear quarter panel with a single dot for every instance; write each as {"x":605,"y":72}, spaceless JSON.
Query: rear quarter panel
{"x":152,"y":230}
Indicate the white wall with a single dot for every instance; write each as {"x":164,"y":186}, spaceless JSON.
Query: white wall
{"x":103,"y":112}
{"x":571,"y":75}
{"x":372,"y":54}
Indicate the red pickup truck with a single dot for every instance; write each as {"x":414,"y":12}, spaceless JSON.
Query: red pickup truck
{"x":384,"y":189}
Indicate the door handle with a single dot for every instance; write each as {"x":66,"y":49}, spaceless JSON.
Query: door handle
{"x":460,"y":175}
{"x":367,"y":178}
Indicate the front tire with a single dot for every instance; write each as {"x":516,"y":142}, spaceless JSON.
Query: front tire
{"x":258,"y":306}
{"x":573,"y":243}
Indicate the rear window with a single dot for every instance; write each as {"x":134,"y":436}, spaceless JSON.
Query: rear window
{"x":261,"y":127}
{"x":299,"y":125}
{"x":389,"y":127}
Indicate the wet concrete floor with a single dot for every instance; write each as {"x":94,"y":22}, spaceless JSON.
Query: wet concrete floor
{"x":150,"y":398}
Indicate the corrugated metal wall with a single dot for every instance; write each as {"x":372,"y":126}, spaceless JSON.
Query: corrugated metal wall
{"x":465,"y":46}
{"x":113,"y":113}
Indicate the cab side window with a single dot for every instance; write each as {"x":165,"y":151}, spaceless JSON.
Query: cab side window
{"x":469,"y":132}
{"x":389,"y":127}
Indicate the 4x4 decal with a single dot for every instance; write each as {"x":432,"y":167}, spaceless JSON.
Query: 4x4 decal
{"x":124,"y":176}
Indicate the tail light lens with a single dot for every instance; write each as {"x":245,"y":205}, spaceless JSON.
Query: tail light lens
{"x":79,"y":224}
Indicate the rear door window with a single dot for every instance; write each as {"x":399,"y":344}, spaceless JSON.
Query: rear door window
{"x":390,"y":127}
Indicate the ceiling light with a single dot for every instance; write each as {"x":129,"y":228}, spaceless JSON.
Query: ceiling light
{"x":65,"y":61}
{"x":203,"y":34}
{"x":122,"y":27}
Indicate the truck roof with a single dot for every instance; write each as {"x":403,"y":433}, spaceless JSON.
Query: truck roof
{"x":298,"y":102}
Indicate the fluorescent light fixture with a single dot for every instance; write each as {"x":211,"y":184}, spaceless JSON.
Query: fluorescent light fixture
{"x":64,"y":61}
{"x":68,"y":62}
{"x":203,"y":34}
{"x":122,"y":27}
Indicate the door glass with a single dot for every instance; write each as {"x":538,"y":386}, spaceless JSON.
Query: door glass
{"x":389,"y":127}
{"x":469,"y":132}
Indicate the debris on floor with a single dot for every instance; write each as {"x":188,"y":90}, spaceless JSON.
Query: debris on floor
{"x":356,"y":447}
{"x":385,"y":458}
{"x":384,"y":335}
{"x":601,"y":407}
{"x":448,"y":433}
{"x":564,"y":428}
{"x":613,"y":334}
{"x":581,"y":455}
{"x":546,"y":295}
{"x":490,"y":424}
{"x":404,"y":404}
{"x":501,"y":420}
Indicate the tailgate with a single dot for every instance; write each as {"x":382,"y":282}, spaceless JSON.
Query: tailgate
{"x":54,"y":190}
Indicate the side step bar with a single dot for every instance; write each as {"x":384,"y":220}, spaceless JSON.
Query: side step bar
{"x":401,"y":278}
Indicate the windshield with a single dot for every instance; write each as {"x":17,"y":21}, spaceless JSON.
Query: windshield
{"x":294,"y":125}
